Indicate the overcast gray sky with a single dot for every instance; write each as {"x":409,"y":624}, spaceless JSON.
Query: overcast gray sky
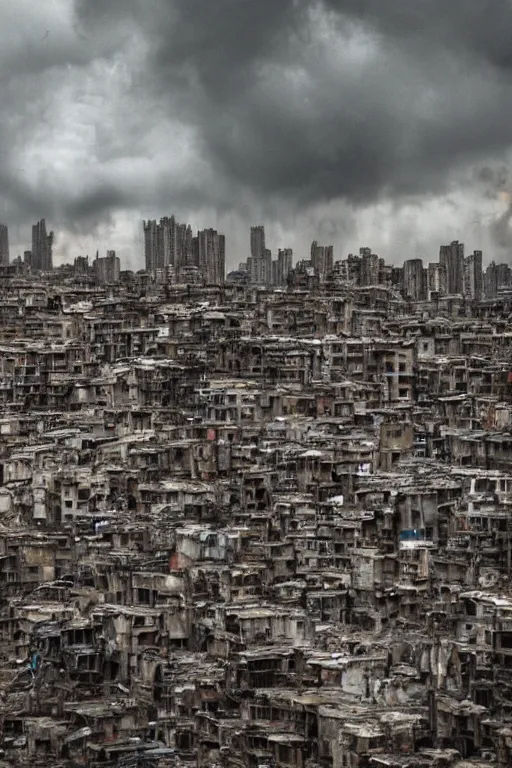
{"x":354,"y":122}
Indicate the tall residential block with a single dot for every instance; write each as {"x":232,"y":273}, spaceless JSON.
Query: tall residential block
{"x":436,"y":279}
{"x":108,"y":269}
{"x":473,"y":276}
{"x":260,"y":261}
{"x":150,"y":245}
{"x":42,"y":245}
{"x":322,"y":257}
{"x":497,"y":276}
{"x":211,"y":256}
{"x":284,"y":265}
{"x":452,"y":258}
{"x":415,"y":280}
{"x":257,"y":241}
{"x":4,"y":244}
{"x":167,"y":244}
{"x":369,"y":267}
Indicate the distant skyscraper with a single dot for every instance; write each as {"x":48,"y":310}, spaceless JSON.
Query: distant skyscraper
{"x":182,"y":246}
{"x":322,"y":259}
{"x":211,"y":256}
{"x":260,"y":270}
{"x":108,"y":269}
{"x":503,"y":275}
{"x":167,"y":244}
{"x":415,"y":280}
{"x":42,"y":244}
{"x":497,"y":276}
{"x":491,"y":281}
{"x":257,"y":241}
{"x":81,"y":265}
{"x":369,"y":267}
{"x":4,"y":244}
{"x":350,"y":269}
{"x":284,"y":265}
{"x":436,"y":278}
{"x":266,"y":273}
{"x":150,"y":245}
{"x":452,"y":258}
{"x":329,"y":258}
{"x":473,"y":276}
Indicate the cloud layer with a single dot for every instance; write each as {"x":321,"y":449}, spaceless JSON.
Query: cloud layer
{"x":357,"y":121}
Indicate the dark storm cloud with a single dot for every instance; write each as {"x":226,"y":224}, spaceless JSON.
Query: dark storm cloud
{"x":285,"y":108}
{"x":38,"y":57}
{"x":227,"y":105}
{"x":478,"y":28}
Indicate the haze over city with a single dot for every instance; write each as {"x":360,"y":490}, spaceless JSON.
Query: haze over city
{"x":347,"y":122}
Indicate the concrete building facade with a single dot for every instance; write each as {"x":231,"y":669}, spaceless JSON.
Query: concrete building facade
{"x":42,"y":247}
{"x":4,"y":245}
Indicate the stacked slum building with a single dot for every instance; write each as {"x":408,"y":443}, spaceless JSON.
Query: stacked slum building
{"x":254,"y":528}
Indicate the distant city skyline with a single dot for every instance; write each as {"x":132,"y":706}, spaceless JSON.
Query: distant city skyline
{"x":173,"y":254}
{"x":66,"y":249}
